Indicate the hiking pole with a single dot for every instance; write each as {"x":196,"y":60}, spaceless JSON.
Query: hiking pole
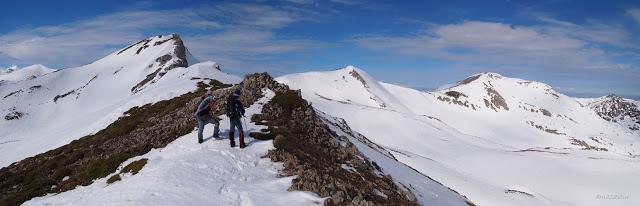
{"x":244,"y":120}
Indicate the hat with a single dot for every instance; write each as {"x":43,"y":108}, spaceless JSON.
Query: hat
{"x":209,"y":93}
{"x":237,"y":93}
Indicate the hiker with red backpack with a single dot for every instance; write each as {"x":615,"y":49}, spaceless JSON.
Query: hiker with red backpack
{"x":203,"y":115}
{"x":235,"y":110}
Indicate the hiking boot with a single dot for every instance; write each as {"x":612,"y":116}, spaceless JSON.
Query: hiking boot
{"x":232,"y":142}
{"x":242,"y":144}
{"x":199,"y":141}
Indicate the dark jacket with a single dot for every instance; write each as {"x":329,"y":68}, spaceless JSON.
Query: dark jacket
{"x":235,"y":109}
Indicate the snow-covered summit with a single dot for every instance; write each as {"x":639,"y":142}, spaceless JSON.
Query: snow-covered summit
{"x":614,"y":108}
{"x":54,"y":109}
{"x":350,"y":85}
{"x":15,"y":73}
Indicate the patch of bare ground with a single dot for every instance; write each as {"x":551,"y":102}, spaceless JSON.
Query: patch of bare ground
{"x":359,"y":78}
{"x":133,"y":168}
{"x":545,"y":129}
{"x":510,"y":191}
{"x":546,"y":150}
{"x":12,"y":93}
{"x":496,"y":101}
{"x":75,"y":91}
{"x":469,"y":79}
{"x":586,"y":146}
{"x":455,"y":94}
{"x":456,"y":101}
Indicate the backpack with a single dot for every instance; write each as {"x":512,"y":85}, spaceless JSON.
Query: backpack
{"x":206,"y":110}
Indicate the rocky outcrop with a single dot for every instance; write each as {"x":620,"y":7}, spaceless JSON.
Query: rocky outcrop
{"x":177,"y":58}
{"x":324,"y":163}
{"x":616,"y":109}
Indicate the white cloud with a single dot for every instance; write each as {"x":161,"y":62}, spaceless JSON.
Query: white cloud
{"x":497,"y":45}
{"x":347,"y":2}
{"x":205,"y":24}
{"x":634,"y":13}
{"x":245,"y":31}
{"x":593,"y":31}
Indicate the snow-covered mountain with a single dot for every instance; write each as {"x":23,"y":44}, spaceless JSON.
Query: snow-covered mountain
{"x":494,"y":139}
{"x":119,"y":131}
{"x":30,"y":72}
{"x":44,"y":113}
{"x":616,"y":109}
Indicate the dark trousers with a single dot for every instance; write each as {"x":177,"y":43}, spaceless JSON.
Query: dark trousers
{"x":234,"y":123}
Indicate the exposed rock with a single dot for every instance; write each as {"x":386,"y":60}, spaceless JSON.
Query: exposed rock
{"x":455,"y":94}
{"x":310,"y":150}
{"x":469,"y":79}
{"x":12,"y":93}
{"x":586,"y":146}
{"x":13,"y":114}
{"x":617,"y":109}
{"x":497,"y":102}
{"x":545,"y":112}
{"x":359,"y":78}
{"x":177,"y":58}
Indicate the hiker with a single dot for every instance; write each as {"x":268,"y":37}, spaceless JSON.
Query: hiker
{"x":235,"y":110}
{"x":203,"y":115}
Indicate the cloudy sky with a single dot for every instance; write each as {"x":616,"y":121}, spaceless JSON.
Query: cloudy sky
{"x":582,"y":48}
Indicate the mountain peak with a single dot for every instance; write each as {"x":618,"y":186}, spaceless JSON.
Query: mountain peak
{"x":25,"y":73}
{"x":617,"y":109}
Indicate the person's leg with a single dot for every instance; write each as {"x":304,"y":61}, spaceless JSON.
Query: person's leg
{"x":238,"y":124}
{"x":200,"y":128}
{"x":216,"y":127}
{"x":232,"y":128}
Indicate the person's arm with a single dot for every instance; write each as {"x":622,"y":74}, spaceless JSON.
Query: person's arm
{"x":240,"y":107}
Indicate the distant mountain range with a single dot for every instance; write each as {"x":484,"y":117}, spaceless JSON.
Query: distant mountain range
{"x":77,"y":135}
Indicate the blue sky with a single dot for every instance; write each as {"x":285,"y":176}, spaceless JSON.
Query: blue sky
{"x":582,"y":48}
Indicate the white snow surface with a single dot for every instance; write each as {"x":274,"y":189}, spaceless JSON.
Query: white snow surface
{"x":25,"y":73}
{"x":97,"y":95}
{"x":528,"y":154}
{"x":188,"y":173}
{"x":426,"y":190}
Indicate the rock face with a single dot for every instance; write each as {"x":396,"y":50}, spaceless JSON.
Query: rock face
{"x":325,"y":163}
{"x":617,"y":109}
{"x":178,"y":58}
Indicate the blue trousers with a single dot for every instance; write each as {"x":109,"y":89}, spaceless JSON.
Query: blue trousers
{"x":207,"y":119}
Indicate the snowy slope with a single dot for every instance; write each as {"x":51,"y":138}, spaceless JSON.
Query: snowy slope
{"x":188,"y":173}
{"x":426,"y":190}
{"x":29,"y":72}
{"x":494,"y":139}
{"x":49,"y":111}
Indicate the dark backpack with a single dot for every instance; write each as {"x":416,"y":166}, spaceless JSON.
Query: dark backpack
{"x":234,"y":107}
